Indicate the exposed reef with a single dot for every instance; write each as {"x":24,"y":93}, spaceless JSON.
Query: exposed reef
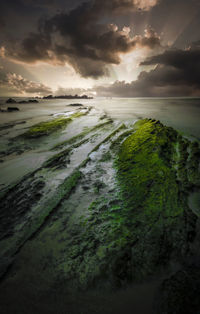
{"x":45,"y":128}
{"x":35,"y":101}
{"x":48,"y":127}
{"x":13,"y":101}
{"x":75,"y":105}
{"x":9,"y":109}
{"x":67,"y":97}
{"x":108,"y":208}
{"x":10,"y":125}
{"x":21,"y":143}
{"x":81,"y":135}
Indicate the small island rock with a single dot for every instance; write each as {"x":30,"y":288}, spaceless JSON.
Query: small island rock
{"x":11,"y":101}
{"x":9,"y":109}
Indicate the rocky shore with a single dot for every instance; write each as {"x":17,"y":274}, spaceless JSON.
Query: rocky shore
{"x":105,"y":214}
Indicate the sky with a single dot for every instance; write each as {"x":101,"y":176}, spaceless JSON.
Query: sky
{"x":122,"y":48}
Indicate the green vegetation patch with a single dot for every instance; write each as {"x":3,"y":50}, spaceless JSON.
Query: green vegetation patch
{"x":145,"y":223}
{"x":155,"y":204}
{"x":48,"y":127}
{"x":116,"y":143}
{"x":144,"y":170}
{"x":133,"y":229}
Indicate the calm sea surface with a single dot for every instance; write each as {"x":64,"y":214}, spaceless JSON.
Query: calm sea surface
{"x":180,"y":113}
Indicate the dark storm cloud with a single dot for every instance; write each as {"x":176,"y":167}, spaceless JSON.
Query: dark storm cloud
{"x":83,"y":40}
{"x":176,"y":73}
{"x":2,"y":23}
{"x":179,"y":66}
{"x":51,"y":5}
{"x":40,"y":3}
{"x":176,"y":57}
{"x":21,"y":16}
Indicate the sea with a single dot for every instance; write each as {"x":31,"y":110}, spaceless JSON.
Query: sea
{"x":181,"y":113}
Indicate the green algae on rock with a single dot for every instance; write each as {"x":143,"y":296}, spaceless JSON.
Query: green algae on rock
{"x":155,"y":211}
{"x":48,"y":127}
{"x":45,"y":128}
{"x":146,"y":223}
{"x":106,"y":232}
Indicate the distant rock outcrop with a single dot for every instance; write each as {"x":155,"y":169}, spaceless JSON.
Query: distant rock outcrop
{"x":33,"y":100}
{"x":11,"y":101}
{"x":28,"y":101}
{"x":76,"y":105}
{"x":3,"y":110}
{"x":9,"y":109}
{"x":67,"y":97}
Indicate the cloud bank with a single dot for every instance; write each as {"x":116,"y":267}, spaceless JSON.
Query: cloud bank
{"x":82,"y":39}
{"x":15,"y":83}
{"x":176,"y":73}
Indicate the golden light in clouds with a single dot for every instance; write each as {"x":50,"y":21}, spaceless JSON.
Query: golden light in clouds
{"x":145,"y":4}
{"x":66,"y":77}
{"x":63,"y":77}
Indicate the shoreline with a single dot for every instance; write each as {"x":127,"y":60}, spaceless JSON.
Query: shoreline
{"x":77,"y":204}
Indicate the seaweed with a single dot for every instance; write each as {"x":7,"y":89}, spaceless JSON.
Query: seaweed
{"x":146,"y":222}
{"x":48,"y":127}
{"x":129,"y":232}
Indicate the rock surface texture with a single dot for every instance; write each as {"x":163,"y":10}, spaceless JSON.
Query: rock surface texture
{"x":119,"y":220}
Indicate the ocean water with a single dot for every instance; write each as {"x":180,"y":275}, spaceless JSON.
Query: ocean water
{"x":181,"y":113}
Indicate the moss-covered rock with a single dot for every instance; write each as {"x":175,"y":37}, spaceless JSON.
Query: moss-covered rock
{"x":150,"y":225}
{"x":47,"y":127}
{"x":145,"y":225}
{"x":113,"y":231}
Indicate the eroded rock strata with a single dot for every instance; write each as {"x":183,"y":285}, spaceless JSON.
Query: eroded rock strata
{"x":121,"y":218}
